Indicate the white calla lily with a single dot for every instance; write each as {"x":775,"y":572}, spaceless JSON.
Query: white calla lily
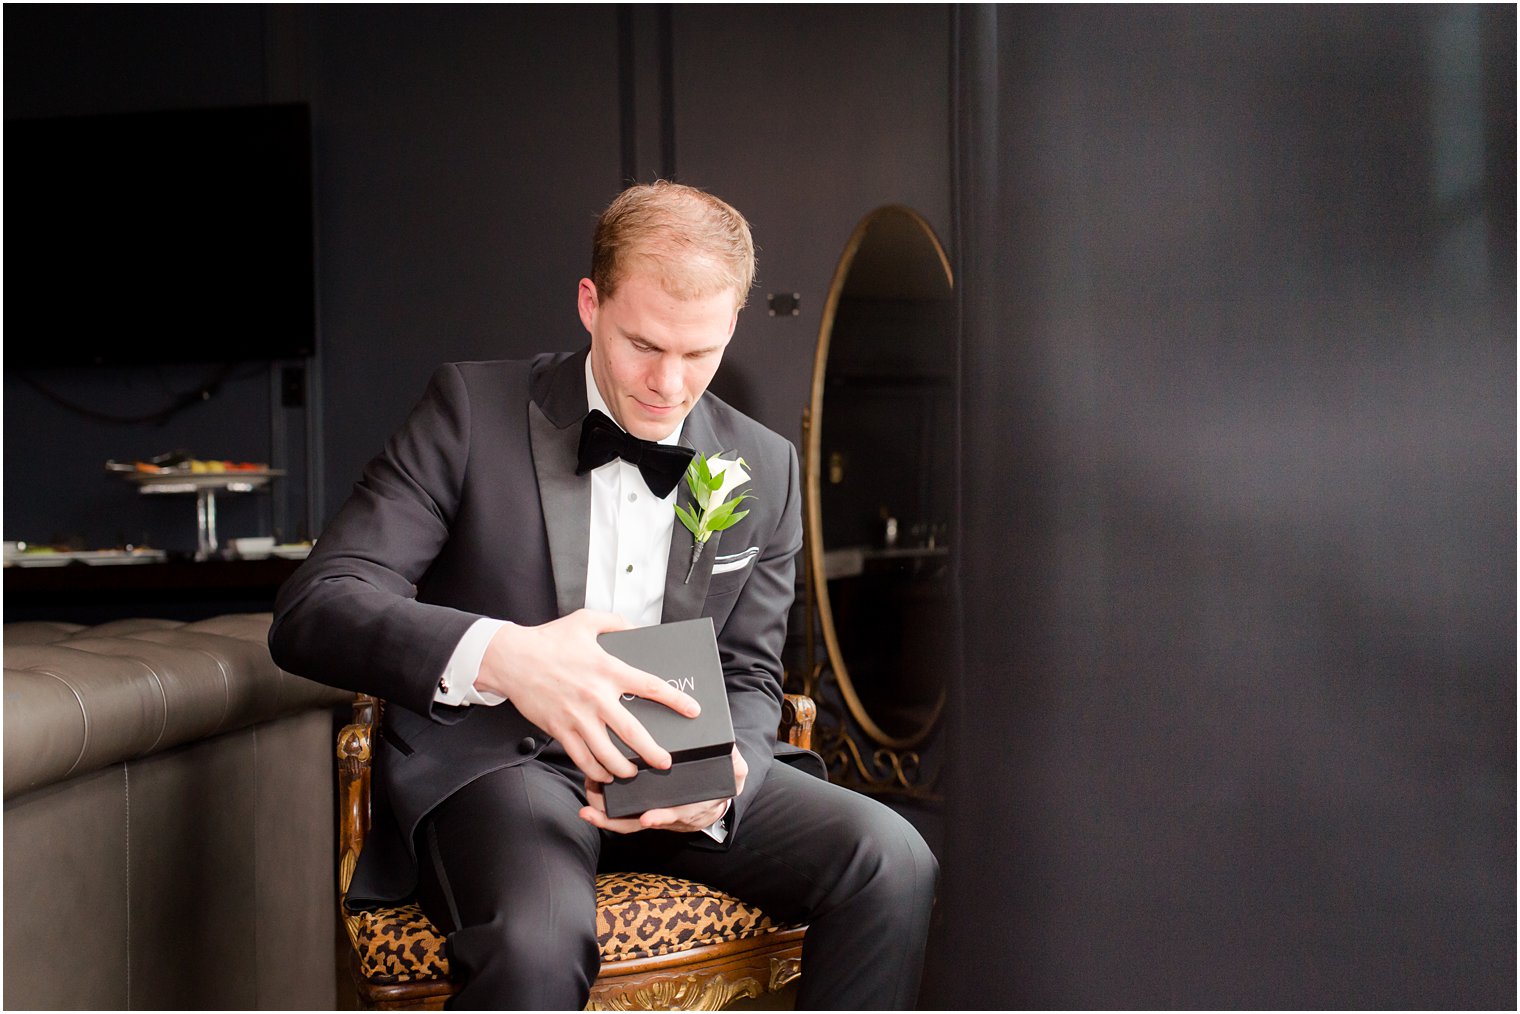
{"x":733,"y":474}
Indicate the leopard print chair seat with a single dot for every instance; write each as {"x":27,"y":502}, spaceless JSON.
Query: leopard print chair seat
{"x":666,"y":943}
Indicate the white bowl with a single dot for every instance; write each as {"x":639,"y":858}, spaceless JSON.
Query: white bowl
{"x":255,"y":548}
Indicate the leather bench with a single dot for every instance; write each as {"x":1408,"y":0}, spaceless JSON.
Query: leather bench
{"x":169,"y":819}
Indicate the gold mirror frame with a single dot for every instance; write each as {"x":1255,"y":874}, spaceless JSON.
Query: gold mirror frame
{"x":812,"y":491}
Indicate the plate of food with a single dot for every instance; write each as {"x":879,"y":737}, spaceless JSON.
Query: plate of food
{"x":184,"y":473}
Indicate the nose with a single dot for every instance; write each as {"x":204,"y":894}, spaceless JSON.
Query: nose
{"x":665,"y":378}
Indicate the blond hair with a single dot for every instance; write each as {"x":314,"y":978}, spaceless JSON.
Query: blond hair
{"x":694,"y":244}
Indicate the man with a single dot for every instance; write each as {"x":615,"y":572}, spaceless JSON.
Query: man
{"x":465,"y":582}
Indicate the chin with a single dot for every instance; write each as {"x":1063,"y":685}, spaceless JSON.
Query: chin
{"x":647,"y":427}
{"x":649,"y":431}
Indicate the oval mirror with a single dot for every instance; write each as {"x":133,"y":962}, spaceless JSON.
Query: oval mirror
{"x":879,"y":475}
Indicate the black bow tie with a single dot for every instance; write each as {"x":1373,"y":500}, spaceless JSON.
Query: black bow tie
{"x":661,"y":465}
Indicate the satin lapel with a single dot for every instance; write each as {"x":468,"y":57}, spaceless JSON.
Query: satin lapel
{"x":566,"y":500}
{"x":684,"y":599}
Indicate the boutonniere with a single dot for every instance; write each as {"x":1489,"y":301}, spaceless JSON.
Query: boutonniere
{"x":710,"y":480}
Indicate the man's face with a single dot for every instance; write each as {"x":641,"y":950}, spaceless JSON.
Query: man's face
{"x":653,"y":355}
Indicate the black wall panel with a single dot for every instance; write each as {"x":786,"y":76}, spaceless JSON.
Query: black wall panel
{"x":463,"y":153}
{"x":1237,"y":721}
{"x":807,"y":118}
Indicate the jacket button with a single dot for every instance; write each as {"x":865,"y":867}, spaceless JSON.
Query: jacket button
{"x":527,"y":745}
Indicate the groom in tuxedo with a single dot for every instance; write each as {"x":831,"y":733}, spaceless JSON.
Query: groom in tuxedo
{"x":523,"y":509}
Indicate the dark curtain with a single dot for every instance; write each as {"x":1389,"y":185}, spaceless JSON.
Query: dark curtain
{"x":1235,"y":724}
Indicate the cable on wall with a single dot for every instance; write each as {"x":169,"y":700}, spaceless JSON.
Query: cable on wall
{"x":201,"y":392}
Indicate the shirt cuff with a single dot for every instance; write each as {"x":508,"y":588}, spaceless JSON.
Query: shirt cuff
{"x":718,"y":829}
{"x":456,"y":686}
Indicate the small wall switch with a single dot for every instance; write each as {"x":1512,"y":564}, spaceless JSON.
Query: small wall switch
{"x":784,"y":304}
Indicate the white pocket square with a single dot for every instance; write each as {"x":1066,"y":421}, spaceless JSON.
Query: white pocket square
{"x":724,"y":564}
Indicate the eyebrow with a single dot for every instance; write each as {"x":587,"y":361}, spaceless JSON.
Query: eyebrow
{"x":635,"y":337}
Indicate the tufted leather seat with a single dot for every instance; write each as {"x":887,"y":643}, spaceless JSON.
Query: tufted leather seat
{"x":80,"y":698}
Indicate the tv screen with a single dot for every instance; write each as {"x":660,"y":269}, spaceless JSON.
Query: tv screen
{"x":161,"y":237}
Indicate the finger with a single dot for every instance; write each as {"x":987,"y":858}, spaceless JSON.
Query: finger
{"x":582,"y":758}
{"x":692,"y":816}
{"x":653,"y":688}
{"x":632,"y":732}
{"x":597,"y":818}
{"x":609,"y":756}
{"x":656,"y":818}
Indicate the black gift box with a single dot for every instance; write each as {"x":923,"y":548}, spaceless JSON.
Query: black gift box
{"x":684,"y":654}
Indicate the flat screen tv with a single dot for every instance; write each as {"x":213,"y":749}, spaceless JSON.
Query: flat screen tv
{"x":166,"y":237}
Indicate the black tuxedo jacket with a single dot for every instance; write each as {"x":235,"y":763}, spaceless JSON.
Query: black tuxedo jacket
{"x":474,"y":509}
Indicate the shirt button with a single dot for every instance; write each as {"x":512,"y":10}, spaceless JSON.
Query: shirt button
{"x":632,"y":497}
{"x":626,"y":570}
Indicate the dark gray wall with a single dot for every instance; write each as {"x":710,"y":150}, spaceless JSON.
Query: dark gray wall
{"x":808,"y":118}
{"x":77,"y":59}
{"x":461,"y":157}
{"x":463,"y":154}
{"x":1236,"y":725}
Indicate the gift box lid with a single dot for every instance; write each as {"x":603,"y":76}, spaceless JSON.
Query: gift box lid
{"x":684,"y":654}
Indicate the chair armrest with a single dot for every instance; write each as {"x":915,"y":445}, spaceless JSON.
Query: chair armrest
{"x":797,"y":714}
{"x":355,"y":755}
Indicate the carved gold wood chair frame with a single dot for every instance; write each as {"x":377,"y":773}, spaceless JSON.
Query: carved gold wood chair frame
{"x":706,"y":977}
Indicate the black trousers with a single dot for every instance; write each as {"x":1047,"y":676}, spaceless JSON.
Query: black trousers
{"x":508,"y":870}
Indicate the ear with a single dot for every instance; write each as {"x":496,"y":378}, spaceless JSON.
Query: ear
{"x":733,"y":322}
{"x":586,"y":302}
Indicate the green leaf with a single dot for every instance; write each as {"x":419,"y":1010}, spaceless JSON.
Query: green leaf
{"x":729,"y":521}
{"x":718,"y":513}
{"x":687,"y":519}
{"x":722,"y":512}
{"x":712,"y":490}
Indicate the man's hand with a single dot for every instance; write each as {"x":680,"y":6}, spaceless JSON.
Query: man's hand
{"x":690,"y":817}
{"x":561,"y":680}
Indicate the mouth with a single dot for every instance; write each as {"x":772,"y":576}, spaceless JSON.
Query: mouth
{"x":656,"y":409}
